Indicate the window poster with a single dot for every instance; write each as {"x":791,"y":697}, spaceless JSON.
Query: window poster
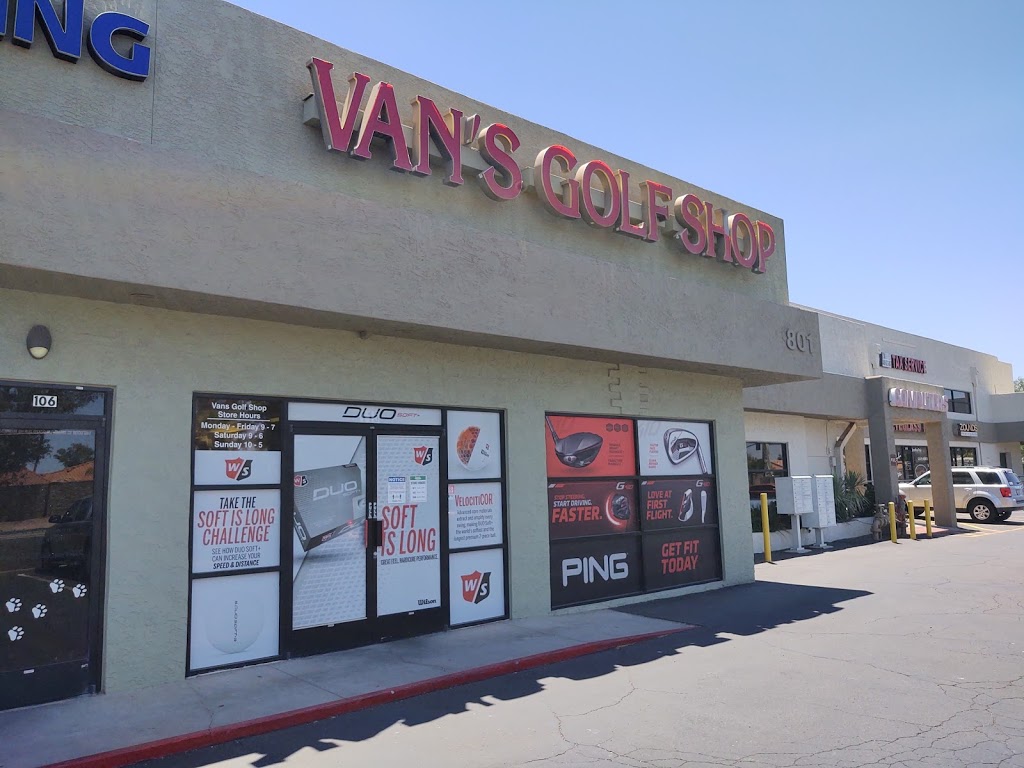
{"x":591,"y":508}
{"x":474,"y":515}
{"x":474,"y":445}
{"x":233,"y":531}
{"x":597,"y":568}
{"x":678,"y":502}
{"x":328,"y":545}
{"x":409,"y":557}
{"x":234,"y":619}
{"x":589,"y":446}
{"x":680,"y":557}
{"x":632,"y":506}
{"x":237,"y":441}
{"x":476,"y":585}
{"x":674,"y":448}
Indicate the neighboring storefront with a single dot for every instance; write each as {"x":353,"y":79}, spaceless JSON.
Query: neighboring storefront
{"x":261,"y":397}
{"x":882,"y":411}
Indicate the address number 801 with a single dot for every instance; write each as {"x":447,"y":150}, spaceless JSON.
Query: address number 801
{"x":798,"y":341}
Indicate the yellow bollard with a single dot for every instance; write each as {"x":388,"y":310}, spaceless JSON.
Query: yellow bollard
{"x":910,"y":520}
{"x":928,"y":516}
{"x":764,"y":528}
{"x":892,"y":522}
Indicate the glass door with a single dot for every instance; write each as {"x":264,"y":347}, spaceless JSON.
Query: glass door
{"x":329,"y":539}
{"x":365,"y":540}
{"x":50,"y":560}
{"x":408,"y":514}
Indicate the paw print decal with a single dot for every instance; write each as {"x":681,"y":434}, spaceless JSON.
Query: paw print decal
{"x":79,"y":590}
{"x":39,"y":611}
{"x":15,"y":633}
{"x":13,"y":605}
{"x":57,"y":585}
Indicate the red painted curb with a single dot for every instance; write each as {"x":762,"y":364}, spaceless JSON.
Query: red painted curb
{"x":176,"y":744}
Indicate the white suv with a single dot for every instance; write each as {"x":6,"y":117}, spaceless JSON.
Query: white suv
{"x":987,"y":494}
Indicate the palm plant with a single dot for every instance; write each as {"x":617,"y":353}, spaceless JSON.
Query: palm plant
{"x":850,"y":488}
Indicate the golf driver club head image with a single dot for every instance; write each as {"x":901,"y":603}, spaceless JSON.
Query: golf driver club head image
{"x":681,"y":444}
{"x":619,"y":507}
{"x":576,"y":450}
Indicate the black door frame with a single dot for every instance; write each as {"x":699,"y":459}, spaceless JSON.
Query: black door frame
{"x":64,"y":680}
{"x":372,"y":629}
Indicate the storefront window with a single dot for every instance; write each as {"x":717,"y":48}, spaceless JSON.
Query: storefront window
{"x":959,"y":401}
{"x":328,"y":520}
{"x":913,"y":461}
{"x":632,"y":507}
{"x":963,"y":457}
{"x":765,"y":462}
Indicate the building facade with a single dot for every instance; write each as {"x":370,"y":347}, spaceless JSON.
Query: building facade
{"x":262,"y":396}
{"x":849,"y":419}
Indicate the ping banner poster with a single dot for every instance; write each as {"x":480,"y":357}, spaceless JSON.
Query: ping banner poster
{"x":598,"y":568}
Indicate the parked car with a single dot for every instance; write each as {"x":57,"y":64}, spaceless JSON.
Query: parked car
{"x":987,"y":494}
{"x":69,"y":540}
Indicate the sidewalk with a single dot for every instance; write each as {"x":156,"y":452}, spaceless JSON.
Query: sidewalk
{"x":859,"y":541}
{"x":118,"y":729}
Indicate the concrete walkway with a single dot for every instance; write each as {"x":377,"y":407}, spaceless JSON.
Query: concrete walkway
{"x":122,"y":728}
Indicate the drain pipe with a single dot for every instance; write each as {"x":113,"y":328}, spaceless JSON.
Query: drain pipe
{"x":840,"y":446}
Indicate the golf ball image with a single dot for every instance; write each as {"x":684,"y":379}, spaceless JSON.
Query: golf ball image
{"x":474,"y":454}
{"x":235,"y":622}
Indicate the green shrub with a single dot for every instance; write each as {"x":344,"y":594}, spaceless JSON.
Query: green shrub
{"x":851,"y":498}
{"x":776,"y":522}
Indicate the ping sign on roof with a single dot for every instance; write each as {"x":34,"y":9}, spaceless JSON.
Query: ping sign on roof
{"x":114,"y":40}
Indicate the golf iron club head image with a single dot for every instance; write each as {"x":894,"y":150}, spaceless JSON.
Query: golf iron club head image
{"x":681,"y":444}
{"x":576,"y":450}
{"x":686,"y":507}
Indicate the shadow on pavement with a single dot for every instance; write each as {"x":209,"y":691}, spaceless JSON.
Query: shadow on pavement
{"x":749,"y":608}
{"x":743,"y":610}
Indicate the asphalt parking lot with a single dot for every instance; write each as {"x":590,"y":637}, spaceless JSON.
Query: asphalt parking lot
{"x":908,"y":654}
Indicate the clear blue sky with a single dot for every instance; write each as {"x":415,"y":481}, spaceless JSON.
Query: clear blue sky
{"x":888,"y":135}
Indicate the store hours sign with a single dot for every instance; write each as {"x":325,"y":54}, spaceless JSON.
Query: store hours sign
{"x":237,"y":441}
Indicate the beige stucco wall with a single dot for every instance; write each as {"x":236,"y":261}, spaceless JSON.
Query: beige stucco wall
{"x":203,"y":186}
{"x":850,"y":347}
{"x":156,"y":358}
{"x":809,"y":442}
{"x":226,"y":87}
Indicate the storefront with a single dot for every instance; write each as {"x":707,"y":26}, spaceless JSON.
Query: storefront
{"x":368,"y":554}
{"x":882,"y":412}
{"x":339,"y":404}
